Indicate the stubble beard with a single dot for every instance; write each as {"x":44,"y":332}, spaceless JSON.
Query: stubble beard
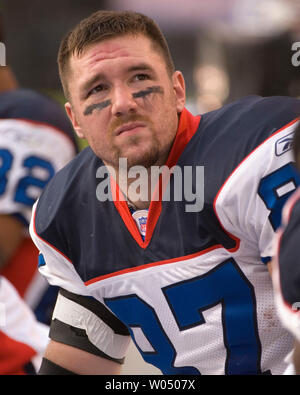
{"x":141,"y":155}
{"x":138,"y":149}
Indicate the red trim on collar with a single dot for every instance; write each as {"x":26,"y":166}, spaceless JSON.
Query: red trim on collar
{"x":188,"y":124}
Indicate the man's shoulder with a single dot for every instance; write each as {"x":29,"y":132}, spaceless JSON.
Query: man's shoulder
{"x":68,"y":203}
{"x":32,"y":106}
{"x":76,"y":175}
{"x":237,"y":129}
{"x":68,"y":188}
{"x":254,"y":115}
{"x":229,"y":135}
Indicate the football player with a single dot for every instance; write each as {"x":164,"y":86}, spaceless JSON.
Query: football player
{"x":184,"y":274}
{"x":36,"y":139}
{"x":285,"y":266}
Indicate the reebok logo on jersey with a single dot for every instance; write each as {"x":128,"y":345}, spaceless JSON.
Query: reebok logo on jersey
{"x":284,"y":144}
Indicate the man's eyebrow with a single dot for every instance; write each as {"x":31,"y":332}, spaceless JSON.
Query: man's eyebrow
{"x":140,"y":67}
{"x":86,"y":86}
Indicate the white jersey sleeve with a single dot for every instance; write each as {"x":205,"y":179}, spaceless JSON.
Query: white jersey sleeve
{"x":250,"y":202}
{"x":30,"y":154}
{"x":57,"y":268}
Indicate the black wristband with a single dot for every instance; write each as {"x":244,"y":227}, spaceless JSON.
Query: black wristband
{"x":49,"y":368}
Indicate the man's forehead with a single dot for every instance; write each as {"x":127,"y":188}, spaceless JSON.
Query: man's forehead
{"x":132,"y":50}
{"x":112,"y":48}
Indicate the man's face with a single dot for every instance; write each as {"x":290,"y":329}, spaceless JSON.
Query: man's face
{"x":124,"y":102}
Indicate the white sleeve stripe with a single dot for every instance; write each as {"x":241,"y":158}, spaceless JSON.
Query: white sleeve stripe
{"x":99,"y":333}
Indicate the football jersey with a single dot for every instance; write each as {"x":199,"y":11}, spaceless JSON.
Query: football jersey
{"x":23,"y":339}
{"x":36,"y":140}
{"x":194,"y":294}
{"x":286,"y":267}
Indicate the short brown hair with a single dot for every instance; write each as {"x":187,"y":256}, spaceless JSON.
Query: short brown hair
{"x":108,"y":24}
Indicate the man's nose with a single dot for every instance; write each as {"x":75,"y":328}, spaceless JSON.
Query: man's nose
{"x":123,"y":101}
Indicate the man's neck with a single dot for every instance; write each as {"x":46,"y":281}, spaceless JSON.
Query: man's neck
{"x":138,"y":187}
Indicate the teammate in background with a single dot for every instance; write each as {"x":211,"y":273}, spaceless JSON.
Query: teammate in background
{"x":188,"y":281}
{"x":286,"y":264}
{"x":36,"y":140}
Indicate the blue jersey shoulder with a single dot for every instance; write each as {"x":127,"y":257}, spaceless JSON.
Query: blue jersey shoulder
{"x":243,"y":125}
{"x":68,"y":192}
{"x":33,"y":106}
{"x":228,"y":135}
{"x":222,"y":141}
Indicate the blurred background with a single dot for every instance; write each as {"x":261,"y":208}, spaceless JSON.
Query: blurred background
{"x":226,"y":48}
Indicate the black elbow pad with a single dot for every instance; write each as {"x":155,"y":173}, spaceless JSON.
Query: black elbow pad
{"x":49,"y":368}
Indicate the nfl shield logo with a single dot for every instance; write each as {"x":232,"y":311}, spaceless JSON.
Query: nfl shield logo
{"x":140,"y":217}
{"x":142,"y":223}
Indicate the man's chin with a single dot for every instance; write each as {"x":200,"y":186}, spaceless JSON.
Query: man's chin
{"x":140,"y":153}
{"x":145,"y":160}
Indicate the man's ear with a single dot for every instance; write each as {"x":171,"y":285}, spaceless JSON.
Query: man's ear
{"x":179,"y":89}
{"x":73,"y":119}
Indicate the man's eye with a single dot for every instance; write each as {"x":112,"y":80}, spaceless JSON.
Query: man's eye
{"x":98,"y":88}
{"x":142,"y":77}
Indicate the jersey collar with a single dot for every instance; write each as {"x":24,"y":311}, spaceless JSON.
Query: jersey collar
{"x":187,"y":127}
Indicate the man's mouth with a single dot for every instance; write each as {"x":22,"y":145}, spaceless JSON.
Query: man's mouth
{"x":129,"y":127}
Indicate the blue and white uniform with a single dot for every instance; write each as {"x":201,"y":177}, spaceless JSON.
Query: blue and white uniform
{"x":36,"y":140}
{"x":195,"y":293}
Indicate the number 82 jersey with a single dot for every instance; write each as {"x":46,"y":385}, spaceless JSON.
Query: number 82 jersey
{"x":34,"y":144}
{"x":36,"y":140}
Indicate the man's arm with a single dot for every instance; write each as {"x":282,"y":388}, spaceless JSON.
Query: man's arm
{"x":86,"y":338}
{"x":78,"y":361}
